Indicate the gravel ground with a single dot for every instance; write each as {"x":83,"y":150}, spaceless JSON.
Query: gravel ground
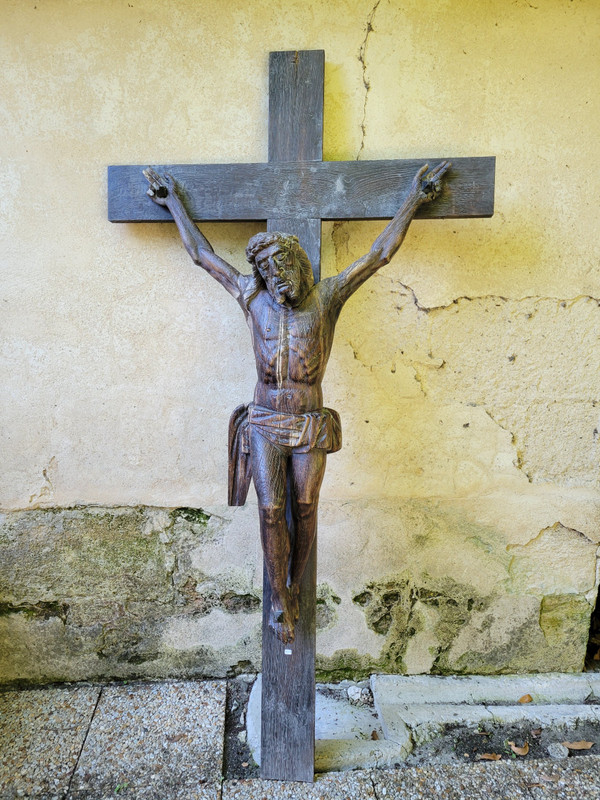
{"x":333,"y":786}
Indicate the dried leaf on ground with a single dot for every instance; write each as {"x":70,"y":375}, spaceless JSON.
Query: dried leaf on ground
{"x":527,"y":698}
{"x":489,"y":757}
{"x":536,"y":733}
{"x":374,"y":735}
{"x":578,"y":745}
{"x":519,"y":751}
{"x":544,"y":780}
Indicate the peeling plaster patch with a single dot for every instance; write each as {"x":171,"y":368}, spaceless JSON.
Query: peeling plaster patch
{"x":327,"y":603}
{"x":340,"y":236}
{"x":189,"y":632}
{"x":557,"y":561}
{"x":46,"y":492}
{"x":525,"y":377}
{"x":504,"y":638}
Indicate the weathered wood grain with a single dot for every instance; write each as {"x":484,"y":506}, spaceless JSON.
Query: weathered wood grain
{"x":288,"y":688}
{"x":288,"y":683}
{"x":304,"y":189}
{"x":296,"y":81}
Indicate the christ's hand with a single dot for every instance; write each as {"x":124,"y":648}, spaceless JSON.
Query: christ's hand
{"x":162,"y":187}
{"x":426,"y":187}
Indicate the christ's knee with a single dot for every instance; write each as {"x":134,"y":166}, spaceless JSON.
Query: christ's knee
{"x":306,"y":513}
{"x":272,"y":515}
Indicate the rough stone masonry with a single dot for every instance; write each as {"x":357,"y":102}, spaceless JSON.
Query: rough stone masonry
{"x":459,"y":523}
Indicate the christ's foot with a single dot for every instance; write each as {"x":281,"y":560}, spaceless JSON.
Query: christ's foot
{"x":282,"y":625}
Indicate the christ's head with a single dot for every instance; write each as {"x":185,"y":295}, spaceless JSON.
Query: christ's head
{"x":279,"y":261}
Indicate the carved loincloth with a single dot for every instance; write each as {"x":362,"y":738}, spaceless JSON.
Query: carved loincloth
{"x":302,"y":432}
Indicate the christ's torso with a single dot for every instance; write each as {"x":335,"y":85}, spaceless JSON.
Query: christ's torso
{"x":292,"y":347}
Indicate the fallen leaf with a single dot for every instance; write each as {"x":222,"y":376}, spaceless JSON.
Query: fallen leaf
{"x":549,"y":778}
{"x":578,"y":745}
{"x":519,"y":751}
{"x":536,"y":733}
{"x":374,"y":735}
{"x":244,"y":763}
{"x":527,"y":698}
{"x":483,"y":733}
{"x":489,"y":757}
{"x":177,"y":738}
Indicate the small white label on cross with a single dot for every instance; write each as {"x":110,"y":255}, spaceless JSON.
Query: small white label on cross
{"x":287,"y":652}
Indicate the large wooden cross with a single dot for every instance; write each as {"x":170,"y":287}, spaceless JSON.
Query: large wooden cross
{"x":294,"y":192}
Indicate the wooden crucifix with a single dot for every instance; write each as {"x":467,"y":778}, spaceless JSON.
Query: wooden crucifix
{"x":284,"y":435}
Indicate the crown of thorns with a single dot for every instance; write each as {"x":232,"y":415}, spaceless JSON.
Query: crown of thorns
{"x":261,"y":241}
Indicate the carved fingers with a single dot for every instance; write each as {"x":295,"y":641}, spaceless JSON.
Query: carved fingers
{"x":161,"y":186}
{"x":417,"y":180}
{"x":431,"y":185}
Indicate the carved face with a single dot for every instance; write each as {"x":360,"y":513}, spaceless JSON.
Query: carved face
{"x":282,"y":275}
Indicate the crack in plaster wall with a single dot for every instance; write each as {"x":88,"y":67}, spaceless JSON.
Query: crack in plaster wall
{"x":362,"y":54}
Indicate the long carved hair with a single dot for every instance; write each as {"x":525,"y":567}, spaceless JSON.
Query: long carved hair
{"x":289,"y":245}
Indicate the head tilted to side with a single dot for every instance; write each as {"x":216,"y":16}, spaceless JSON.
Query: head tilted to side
{"x":281,"y":265}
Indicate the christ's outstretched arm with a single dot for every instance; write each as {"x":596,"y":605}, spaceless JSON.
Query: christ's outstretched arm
{"x":424,"y":188}
{"x":164,"y":193}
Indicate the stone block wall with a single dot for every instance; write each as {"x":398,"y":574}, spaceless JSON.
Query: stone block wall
{"x":458,"y":527}
{"x":94,"y":593}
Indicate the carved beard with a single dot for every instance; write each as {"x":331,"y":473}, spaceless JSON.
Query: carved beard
{"x":285,"y":290}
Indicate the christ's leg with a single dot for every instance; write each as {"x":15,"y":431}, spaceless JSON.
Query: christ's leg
{"x":307,"y":475}
{"x":269,"y":465}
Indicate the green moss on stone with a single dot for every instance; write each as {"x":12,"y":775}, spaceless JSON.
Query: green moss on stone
{"x":399,"y":607}
{"x":195,"y":515}
{"x":326,"y":608}
{"x":37,"y":611}
{"x":564,"y":616}
{"x":345,"y":664}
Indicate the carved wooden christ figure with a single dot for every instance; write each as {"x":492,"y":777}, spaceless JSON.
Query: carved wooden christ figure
{"x":282,"y":438}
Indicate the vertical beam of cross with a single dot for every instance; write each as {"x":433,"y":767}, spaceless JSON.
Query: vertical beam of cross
{"x":288,"y":671}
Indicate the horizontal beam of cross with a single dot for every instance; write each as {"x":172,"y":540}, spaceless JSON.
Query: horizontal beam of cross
{"x":313,"y":189}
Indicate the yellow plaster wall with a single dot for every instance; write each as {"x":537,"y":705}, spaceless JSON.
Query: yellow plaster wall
{"x":466,"y":372}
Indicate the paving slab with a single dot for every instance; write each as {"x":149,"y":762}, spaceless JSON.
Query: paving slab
{"x":545,"y":715}
{"x":468,"y":782}
{"x":154,"y":741}
{"x":428,"y":720}
{"x":347,"y":736}
{"x":576,"y":779}
{"x":484,"y":689}
{"x":334,"y":755}
{"x":356,"y":785}
{"x":441,"y":713}
{"x":41,"y":735}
